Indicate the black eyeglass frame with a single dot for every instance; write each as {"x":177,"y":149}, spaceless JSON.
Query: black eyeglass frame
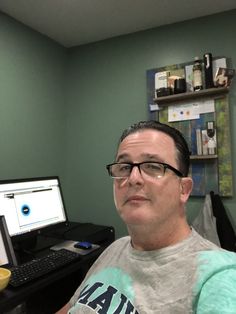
{"x":166,"y":166}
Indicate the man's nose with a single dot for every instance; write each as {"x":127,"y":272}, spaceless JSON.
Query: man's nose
{"x":135,"y":175}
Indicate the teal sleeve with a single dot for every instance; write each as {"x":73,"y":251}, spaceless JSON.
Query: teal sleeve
{"x":218,"y":294}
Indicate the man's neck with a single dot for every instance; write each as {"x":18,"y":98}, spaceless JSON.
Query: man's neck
{"x":146,"y":239}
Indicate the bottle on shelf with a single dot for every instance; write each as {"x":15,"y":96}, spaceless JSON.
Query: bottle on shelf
{"x":207,"y":59}
{"x":197,"y":74}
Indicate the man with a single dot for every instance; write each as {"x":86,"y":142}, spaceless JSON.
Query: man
{"x":163,"y":266}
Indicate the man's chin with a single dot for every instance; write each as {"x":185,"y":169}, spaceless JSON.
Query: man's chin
{"x":135,"y":219}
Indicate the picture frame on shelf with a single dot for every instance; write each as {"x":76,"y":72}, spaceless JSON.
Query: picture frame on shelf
{"x":223,"y":77}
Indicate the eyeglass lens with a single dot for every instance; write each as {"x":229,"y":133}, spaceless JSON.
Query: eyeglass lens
{"x":124,"y":170}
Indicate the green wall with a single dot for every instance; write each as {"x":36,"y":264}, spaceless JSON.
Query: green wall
{"x":62,"y":110}
{"x":107,"y":92}
{"x":32,"y":103}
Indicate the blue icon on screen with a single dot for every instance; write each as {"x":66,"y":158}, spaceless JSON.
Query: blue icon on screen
{"x":25,"y":209}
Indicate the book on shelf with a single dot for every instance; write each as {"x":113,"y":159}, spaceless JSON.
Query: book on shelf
{"x":205,"y":139}
{"x":199,"y":141}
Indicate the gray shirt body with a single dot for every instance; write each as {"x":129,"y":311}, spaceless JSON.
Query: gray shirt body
{"x":183,"y":278}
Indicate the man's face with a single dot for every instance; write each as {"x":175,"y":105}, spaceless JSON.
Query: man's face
{"x":141,"y":199}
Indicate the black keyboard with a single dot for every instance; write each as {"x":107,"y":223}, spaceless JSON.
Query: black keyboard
{"x":40,"y":266}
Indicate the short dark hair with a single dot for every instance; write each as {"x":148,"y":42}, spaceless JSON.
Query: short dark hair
{"x":181,"y":145}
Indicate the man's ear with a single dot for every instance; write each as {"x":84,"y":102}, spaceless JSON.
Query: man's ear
{"x":186,"y":188}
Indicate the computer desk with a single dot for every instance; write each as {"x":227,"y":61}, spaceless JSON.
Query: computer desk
{"x":49,"y":293}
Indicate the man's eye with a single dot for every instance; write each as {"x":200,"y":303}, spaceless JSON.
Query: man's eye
{"x":153,"y":167}
{"x":124,"y":167}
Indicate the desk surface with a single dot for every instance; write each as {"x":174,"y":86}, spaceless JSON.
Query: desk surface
{"x":11,"y":297}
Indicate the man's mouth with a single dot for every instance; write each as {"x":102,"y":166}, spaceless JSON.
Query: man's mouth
{"x":135,"y":198}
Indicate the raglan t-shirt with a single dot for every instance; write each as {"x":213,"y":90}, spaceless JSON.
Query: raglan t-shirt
{"x":194,"y":276}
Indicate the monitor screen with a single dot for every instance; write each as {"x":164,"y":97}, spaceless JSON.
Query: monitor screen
{"x":31,"y":204}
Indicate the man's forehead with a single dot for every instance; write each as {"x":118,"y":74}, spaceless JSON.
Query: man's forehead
{"x":146,"y":143}
{"x":142,"y":155}
{"x":145,"y":136}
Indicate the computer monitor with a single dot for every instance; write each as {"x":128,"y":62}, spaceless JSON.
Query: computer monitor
{"x":31,"y":205}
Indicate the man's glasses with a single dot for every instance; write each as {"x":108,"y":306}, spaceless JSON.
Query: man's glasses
{"x":120,"y":170}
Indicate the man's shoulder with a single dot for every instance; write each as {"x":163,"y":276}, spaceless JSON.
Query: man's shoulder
{"x":216,"y":262}
{"x":123,"y":241}
{"x":218,"y":259}
{"x":215,"y":287}
{"x":201,"y":243}
{"x":116,"y":250}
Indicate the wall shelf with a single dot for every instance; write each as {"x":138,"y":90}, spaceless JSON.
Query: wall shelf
{"x":204,"y":93}
{"x":209,"y":172}
{"x":203,"y":157}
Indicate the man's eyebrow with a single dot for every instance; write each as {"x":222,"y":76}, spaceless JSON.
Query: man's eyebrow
{"x":121,"y":157}
{"x":146,"y":156}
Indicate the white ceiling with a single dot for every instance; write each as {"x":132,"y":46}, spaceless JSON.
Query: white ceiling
{"x":76,"y":22}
